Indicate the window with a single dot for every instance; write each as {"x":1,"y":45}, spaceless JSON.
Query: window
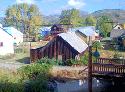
{"x":1,"y":44}
{"x":119,"y":28}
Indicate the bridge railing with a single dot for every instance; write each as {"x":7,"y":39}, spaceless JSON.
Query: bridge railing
{"x":110,"y":61}
{"x":108,"y":69}
{"x":109,"y":66}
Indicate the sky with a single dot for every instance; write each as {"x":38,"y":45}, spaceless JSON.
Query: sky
{"x":50,"y":7}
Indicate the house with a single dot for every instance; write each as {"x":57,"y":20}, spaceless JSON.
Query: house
{"x":64,"y":46}
{"x":83,"y":31}
{"x":57,"y":28}
{"x":115,"y":33}
{"x":118,"y":26}
{"x":17,"y":35}
{"x":124,"y":25}
{"x":6,"y":42}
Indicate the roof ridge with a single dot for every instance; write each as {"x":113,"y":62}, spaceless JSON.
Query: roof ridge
{"x":5,"y":31}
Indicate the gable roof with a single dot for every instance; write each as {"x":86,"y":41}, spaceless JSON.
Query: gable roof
{"x":6,"y":31}
{"x":76,"y":42}
{"x":119,"y":25}
{"x":117,"y":32}
{"x":13,"y":31}
{"x":89,"y":30}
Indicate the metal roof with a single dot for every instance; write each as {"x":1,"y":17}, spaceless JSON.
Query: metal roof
{"x":76,"y":42}
{"x":88,"y":31}
{"x":13,"y":31}
{"x":117,"y":33}
{"x":45,"y":28}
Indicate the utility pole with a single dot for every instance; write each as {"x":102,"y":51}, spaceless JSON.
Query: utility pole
{"x":29,"y":17}
{"x":90,"y":66}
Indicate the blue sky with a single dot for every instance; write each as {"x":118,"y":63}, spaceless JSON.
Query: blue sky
{"x":55,"y":6}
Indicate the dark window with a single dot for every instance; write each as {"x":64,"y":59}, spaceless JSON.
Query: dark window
{"x":119,"y":28}
{"x":1,"y":44}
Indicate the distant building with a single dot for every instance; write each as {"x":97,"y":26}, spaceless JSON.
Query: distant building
{"x":64,"y":46}
{"x":17,"y":35}
{"x":6,"y":42}
{"x":44,"y":31}
{"x":82,"y":33}
{"x":115,"y":33}
{"x":57,"y":28}
{"x":118,"y":26}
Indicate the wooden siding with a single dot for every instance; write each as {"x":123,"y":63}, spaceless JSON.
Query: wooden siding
{"x":57,"y":48}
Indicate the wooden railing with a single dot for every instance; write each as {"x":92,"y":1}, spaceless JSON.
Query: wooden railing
{"x":110,"y":61}
{"x":114,"y":67}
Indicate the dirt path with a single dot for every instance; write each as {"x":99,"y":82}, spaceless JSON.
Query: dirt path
{"x":11,"y":65}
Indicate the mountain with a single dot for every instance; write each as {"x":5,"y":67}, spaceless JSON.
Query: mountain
{"x":51,"y":19}
{"x":54,"y":19}
{"x":84,"y":14}
{"x":117,"y":15}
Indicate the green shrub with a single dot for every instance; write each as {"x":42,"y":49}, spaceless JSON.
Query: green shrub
{"x":35,"y":76}
{"x":10,"y":82}
{"x":117,"y":55}
{"x":33,"y":70}
{"x":29,"y":78}
{"x":52,"y":61}
{"x":85,"y":58}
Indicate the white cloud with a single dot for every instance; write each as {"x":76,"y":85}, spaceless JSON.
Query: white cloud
{"x":25,"y":1}
{"x":76,"y":3}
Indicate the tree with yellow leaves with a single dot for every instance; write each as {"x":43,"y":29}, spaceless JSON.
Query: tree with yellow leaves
{"x":26,"y":18}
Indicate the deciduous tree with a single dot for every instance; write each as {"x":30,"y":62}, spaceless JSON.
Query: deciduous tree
{"x":26,"y":18}
{"x":104,"y":25}
{"x":71,"y":16}
{"x":90,"y":21}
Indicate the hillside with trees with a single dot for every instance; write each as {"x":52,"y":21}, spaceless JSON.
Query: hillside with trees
{"x":117,"y":15}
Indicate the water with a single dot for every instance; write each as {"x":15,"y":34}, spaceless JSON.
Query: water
{"x":82,"y":86}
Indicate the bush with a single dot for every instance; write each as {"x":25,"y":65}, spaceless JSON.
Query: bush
{"x":117,"y":55}
{"x":32,"y":71}
{"x":10,"y":82}
{"x":35,"y":77}
{"x":52,"y":61}
{"x":30,"y":78}
{"x":85,"y":58}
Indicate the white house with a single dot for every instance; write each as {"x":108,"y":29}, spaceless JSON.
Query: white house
{"x":117,"y":26}
{"x":17,"y":35}
{"x":6,"y":42}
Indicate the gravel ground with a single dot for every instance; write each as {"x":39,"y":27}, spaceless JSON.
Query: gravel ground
{"x":11,"y":65}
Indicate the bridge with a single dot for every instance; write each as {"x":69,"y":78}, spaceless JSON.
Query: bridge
{"x":109,"y":67}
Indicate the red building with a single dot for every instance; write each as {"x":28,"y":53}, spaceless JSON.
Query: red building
{"x":63,"y":46}
{"x":55,"y":29}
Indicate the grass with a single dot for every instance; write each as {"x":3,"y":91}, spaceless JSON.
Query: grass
{"x":110,"y":54}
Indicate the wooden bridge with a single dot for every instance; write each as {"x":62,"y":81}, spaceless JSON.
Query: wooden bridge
{"x":109,"y":67}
